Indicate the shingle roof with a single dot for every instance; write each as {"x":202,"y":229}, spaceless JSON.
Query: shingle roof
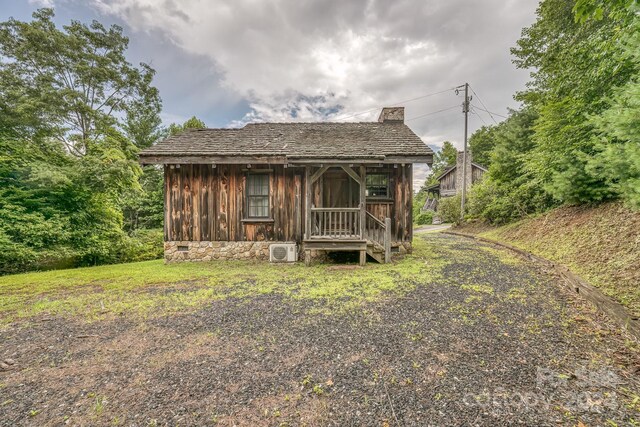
{"x":451,"y":168}
{"x":297,"y":141}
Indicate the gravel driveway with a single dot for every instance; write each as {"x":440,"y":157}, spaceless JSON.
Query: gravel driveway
{"x":491,"y":341}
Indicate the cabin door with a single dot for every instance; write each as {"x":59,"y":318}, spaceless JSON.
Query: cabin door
{"x":339,"y":190}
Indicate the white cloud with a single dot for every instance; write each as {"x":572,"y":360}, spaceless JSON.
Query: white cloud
{"x":361,"y":52}
{"x":313,"y":60}
{"x":42,"y":3}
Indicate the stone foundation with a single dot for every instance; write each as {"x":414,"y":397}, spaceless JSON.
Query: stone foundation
{"x":315,"y":256}
{"x":209,"y":251}
{"x":403,"y":247}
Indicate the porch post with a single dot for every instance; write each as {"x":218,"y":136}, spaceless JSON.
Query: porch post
{"x":307,"y":202}
{"x":307,"y":213}
{"x":363,"y":200}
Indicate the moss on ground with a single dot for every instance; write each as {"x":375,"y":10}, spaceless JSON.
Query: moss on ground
{"x":152,"y":287}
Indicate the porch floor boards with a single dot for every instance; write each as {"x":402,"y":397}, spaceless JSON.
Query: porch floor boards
{"x":335,"y":244}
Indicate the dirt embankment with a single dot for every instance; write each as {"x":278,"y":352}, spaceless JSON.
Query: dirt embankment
{"x":601,"y":244}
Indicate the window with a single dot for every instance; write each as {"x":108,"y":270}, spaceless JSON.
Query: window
{"x":257,"y":196}
{"x":378,"y":186}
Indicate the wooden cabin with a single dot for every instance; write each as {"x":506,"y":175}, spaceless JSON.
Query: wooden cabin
{"x":234,"y":193}
{"x":449,"y":182}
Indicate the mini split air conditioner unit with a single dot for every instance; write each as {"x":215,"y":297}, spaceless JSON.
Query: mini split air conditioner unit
{"x":283,"y":252}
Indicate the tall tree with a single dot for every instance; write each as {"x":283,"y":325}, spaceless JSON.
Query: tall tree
{"x":481,"y":144}
{"x":617,"y":140}
{"x":576,"y":69}
{"x":69,"y":104}
{"x":77,"y":76}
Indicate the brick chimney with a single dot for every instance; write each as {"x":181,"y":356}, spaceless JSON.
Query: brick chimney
{"x":391,"y":115}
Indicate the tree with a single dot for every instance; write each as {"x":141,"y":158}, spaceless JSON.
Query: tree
{"x":447,"y":156}
{"x":509,"y":190}
{"x":73,"y":113}
{"x":577,"y":68}
{"x":617,"y":140}
{"x":481,"y":144}
{"x":442,"y":159}
{"x":77,"y":80}
{"x":143,"y":207}
{"x":192,"y":123}
{"x":577,"y":137}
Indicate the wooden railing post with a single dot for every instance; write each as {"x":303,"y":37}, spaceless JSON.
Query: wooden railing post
{"x":363,"y":200}
{"x":387,"y":240}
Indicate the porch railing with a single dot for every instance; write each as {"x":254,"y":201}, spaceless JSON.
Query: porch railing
{"x":335,"y":223}
{"x":344,"y":223}
{"x":379,"y":232}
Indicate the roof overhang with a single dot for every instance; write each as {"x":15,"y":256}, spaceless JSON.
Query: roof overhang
{"x":446,"y":172}
{"x":479,"y":167}
{"x":150,"y":159}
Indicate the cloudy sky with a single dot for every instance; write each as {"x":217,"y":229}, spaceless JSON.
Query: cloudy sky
{"x":234,"y":61}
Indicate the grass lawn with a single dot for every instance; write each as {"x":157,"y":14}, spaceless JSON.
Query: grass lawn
{"x":152,"y":288}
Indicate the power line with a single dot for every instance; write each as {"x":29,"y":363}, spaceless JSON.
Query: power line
{"x":432,"y":113}
{"x":474,"y":112}
{"x":394,"y":104}
{"x":486,"y":109}
{"x":491,"y":113}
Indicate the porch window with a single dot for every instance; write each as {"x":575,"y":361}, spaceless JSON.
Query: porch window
{"x":258,"y":196}
{"x":378,"y":186}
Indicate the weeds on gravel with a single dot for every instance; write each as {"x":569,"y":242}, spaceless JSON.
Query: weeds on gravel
{"x":98,"y":407}
{"x":479,"y":288}
{"x":599,"y":244}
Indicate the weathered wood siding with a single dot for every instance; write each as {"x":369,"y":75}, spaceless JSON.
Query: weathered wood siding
{"x":476,"y":174}
{"x":399,"y":207}
{"x":203,"y":203}
{"x":448,"y":183}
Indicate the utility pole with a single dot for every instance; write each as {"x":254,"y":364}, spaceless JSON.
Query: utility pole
{"x":465,"y":110}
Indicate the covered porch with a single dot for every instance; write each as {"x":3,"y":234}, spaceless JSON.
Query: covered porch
{"x":336,"y":213}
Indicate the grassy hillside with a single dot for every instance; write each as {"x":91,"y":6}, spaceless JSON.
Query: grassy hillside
{"x":601,"y":244}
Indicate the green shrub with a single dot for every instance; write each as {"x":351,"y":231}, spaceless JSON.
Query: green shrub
{"x":424,"y":218}
{"x":481,"y":196}
{"x":418,"y":203}
{"x":14,"y":257}
{"x":502,"y":203}
{"x":143,"y":245}
{"x":449,"y":208}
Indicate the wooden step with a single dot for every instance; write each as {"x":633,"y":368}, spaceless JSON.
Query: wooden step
{"x":377,"y":255}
